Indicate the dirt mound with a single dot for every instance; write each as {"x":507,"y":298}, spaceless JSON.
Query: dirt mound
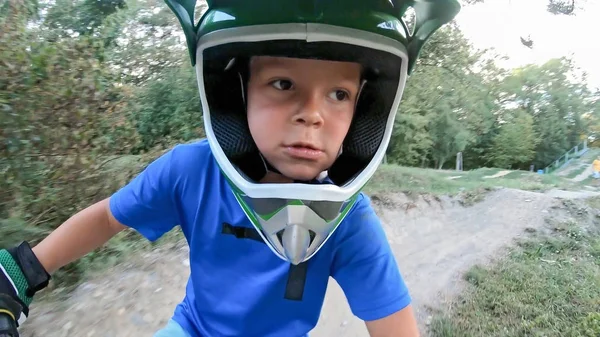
{"x":435,"y":239}
{"x":436,"y":242}
{"x":572,"y":194}
{"x":134,"y":299}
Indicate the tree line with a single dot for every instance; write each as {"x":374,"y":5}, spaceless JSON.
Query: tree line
{"x":84,"y":81}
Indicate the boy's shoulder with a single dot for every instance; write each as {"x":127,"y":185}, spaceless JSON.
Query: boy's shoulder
{"x":192,"y":150}
{"x":193,"y":155}
{"x":363,"y":207}
{"x":362,"y":218}
{"x":189,"y":162}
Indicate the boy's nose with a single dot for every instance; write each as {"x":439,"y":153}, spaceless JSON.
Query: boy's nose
{"x":310,"y":111}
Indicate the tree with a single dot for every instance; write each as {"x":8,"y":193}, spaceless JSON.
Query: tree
{"x":167,"y":110}
{"x":514,"y":145}
{"x":82,"y":17}
{"x":557,"y":7}
{"x":148,"y":43}
{"x":556,"y":98}
{"x":565,"y":7}
{"x":446,"y":105}
{"x":449,"y":136}
{"x":58,"y":108}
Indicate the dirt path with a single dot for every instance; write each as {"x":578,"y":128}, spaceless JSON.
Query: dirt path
{"x":571,"y":168}
{"x":572,"y":194}
{"x":577,"y":164}
{"x":585,"y":174}
{"x":498,"y":175}
{"x":434,"y":241}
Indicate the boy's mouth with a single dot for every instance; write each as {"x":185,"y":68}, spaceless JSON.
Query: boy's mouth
{"x":302,"y":150}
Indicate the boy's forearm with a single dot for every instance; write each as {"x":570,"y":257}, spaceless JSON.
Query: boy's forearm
{"x":81,"y":234}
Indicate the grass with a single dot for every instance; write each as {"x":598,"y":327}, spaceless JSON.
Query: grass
{"x":548,"y":285}
{"x":392,"y":178}
{"x":389,"y":178}
{"x":575,"y":172}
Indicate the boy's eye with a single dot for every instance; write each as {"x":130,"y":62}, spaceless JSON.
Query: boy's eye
{"x":282,"y":84}
{"x":339,"y":95}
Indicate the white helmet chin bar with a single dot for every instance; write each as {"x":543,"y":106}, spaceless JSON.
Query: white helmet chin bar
{"x":296,"y":232}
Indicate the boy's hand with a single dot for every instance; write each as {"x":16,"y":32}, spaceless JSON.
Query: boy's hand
{"x":21,"y":276}
{"x":9,"y":311}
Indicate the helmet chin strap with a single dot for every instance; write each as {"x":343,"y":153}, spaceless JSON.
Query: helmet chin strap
{"x":268,"y":166}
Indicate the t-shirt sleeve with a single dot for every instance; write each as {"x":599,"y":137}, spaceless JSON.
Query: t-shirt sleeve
{"x":147,"y":203}
{"x":365,"y":267}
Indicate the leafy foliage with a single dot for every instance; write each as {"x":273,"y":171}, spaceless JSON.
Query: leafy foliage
{"x":565,"y":7}
{"x":457,"y":100}
{"x":168,"y":110}
{"x":63,"y":119}
{"x":556,"y":7}
{"x":557,"y":101}
{"x":81,"y":16}
{"x":515,"y":142}
{"x":86,"y":84}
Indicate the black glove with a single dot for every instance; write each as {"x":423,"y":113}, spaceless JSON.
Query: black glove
{"x":21,"y":276}
{"x":9,"y":309}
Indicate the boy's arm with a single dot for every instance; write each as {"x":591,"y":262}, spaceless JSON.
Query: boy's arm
{"x":146,"y":204}
{"x":25,"y":271}
{"x":399,"y":324}
{"x":79,"y":235}
{"x":366,"y":270}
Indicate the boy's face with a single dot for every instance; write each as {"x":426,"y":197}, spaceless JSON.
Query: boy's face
{"x":300,"y":110}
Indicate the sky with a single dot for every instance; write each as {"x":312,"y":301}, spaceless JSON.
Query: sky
{"x":501,"y":23}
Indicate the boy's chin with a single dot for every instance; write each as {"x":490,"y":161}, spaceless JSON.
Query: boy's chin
{"x":301,"y":172}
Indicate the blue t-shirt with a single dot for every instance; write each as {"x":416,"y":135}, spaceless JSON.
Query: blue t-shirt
{"x":237,"y":286}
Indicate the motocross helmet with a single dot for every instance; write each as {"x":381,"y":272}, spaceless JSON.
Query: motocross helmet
{"x":296,"y":219}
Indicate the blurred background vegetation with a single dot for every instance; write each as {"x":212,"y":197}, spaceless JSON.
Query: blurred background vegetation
{"x":91,"y":91}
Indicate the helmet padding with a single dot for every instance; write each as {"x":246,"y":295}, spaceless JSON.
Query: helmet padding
{"x":225,"y":97}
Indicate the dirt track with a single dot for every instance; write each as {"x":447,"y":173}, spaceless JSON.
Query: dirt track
{"x":585,"y":174}
{"x":434,"y":241}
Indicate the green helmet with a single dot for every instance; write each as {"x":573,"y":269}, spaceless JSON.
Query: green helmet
{"x":296,"y":219}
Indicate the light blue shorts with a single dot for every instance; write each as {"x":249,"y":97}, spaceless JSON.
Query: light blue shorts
{"x":172,"y":329}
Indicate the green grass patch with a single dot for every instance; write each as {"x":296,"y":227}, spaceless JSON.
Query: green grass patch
{"x":472,"y":185}
{"x":392,"y":178}
{"x":548,"y":285}
{"x":575,"y":172}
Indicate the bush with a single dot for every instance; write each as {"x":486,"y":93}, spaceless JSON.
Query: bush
{"x":168,"y":110}
{"x":590,"y":326}
{"x":60,"y":121}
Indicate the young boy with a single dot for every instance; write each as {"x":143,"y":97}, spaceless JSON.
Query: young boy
{"x":596,"y":168}
{"x":298,"y":111}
